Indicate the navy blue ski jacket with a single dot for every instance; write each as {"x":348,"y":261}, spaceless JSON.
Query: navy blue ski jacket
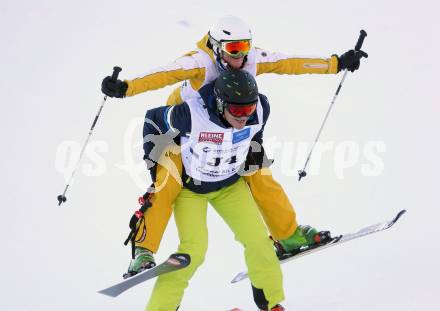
{"x":179,"y":124}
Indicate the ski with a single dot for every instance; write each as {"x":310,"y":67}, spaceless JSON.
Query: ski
{"x":174,"y":262}
{"x":330,"y":242}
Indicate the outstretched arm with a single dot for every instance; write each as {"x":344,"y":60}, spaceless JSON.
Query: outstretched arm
{"x":279,"y":63}
{"x":187,"y":67}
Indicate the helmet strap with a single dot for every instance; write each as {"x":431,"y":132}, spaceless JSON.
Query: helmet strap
{"x":244,"y":62}
{"x":220,"y":63}
{"x":209,"y":43}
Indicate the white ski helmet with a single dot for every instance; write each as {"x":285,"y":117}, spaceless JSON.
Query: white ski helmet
{"x":228,"y":28}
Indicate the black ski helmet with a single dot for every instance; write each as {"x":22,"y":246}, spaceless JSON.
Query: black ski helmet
{"x":235,"y":87}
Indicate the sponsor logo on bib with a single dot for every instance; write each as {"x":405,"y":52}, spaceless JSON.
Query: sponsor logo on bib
{"x":209,"y":137}
{"x":241,"y":135}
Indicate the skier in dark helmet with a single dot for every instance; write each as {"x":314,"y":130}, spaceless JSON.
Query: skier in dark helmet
{"x":215,"y":131}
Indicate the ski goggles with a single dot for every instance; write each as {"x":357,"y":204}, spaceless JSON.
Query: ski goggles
{"x":241,"y":110}
{"x":236,"y":49}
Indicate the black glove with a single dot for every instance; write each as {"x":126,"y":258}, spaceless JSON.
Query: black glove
{"x":114,"y":88}
{"x":351,"y":60}
{"x":255,"y":159}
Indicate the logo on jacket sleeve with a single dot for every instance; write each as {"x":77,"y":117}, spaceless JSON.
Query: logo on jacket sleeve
{"x":215,"y":138}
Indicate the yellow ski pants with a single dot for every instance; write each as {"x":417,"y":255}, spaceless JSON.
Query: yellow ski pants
{"x":273,"y":203}
{"x":239,"y":210}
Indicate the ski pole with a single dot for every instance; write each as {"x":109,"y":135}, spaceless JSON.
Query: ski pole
{"x":62,"y":197}
{"x":302,"y":173}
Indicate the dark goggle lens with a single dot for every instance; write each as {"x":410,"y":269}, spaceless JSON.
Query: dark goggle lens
{"x":242,"y":110}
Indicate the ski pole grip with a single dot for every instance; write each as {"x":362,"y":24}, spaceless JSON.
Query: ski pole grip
{"x":360,"y":41}
{"x":116,"y":71}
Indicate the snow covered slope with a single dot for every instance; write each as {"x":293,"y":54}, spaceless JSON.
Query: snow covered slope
{"x":380,"y":151}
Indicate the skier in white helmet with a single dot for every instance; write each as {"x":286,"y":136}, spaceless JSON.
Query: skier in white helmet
{"x":233,"y":36}
{"x":228,"y":45}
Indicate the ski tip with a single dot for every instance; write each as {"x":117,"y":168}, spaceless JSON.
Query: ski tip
{"x":179,"y":259}
{"x":239,"y":277}
{"x":108,"y":293}
{"x":399,"y":214}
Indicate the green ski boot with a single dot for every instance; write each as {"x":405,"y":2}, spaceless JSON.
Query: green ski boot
{"x":143,"y":260}
{"x":303,"y":236}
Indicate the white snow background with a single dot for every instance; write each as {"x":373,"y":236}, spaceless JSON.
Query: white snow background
{"x":54,"y":55}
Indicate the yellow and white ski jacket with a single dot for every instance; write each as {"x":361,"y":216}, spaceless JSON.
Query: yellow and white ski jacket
{"x":198,"y":68}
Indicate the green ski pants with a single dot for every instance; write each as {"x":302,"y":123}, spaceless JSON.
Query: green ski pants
{"x":238,"y":209}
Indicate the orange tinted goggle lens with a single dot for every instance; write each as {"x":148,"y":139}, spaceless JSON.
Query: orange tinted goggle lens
{"x":242,"y":110}
{"x":237,"y":47}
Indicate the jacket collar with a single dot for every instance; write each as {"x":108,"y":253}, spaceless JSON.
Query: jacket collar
{"x":203,"y":45}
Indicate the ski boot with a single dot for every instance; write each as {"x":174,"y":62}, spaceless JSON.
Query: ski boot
{"x":304,"y":236}
{"x":143,"y":260}
{"x":276,"y":308}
